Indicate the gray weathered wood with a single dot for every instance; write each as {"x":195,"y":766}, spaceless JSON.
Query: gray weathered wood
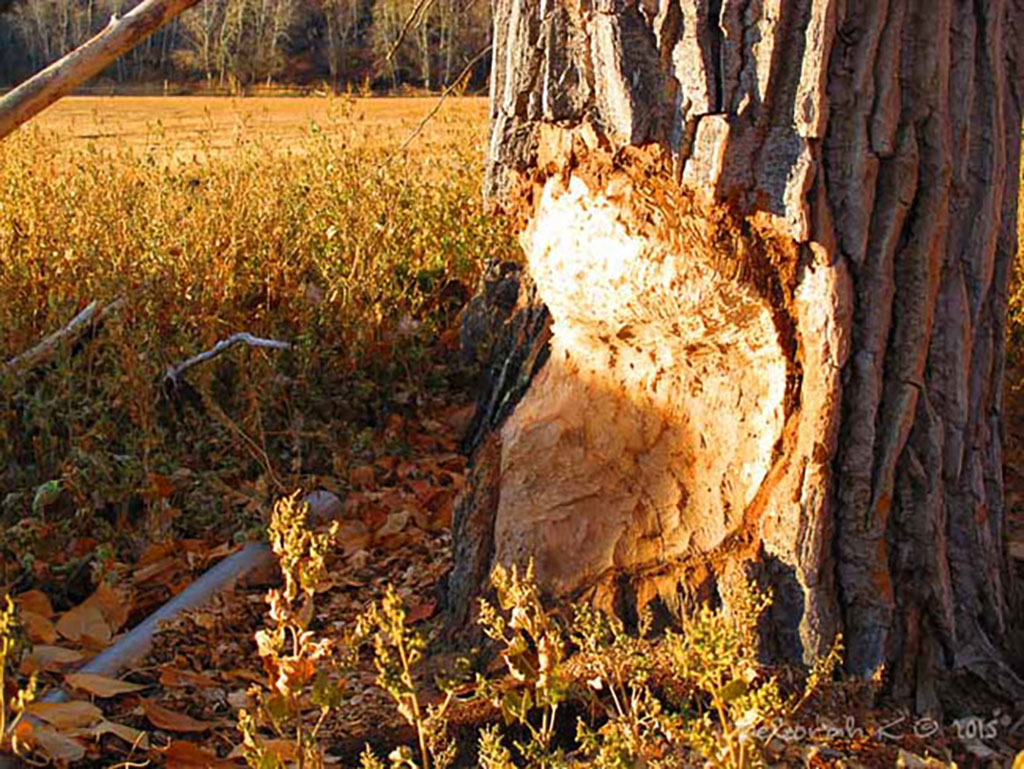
{"x":86,"y":321}
{"x":91,"y":58}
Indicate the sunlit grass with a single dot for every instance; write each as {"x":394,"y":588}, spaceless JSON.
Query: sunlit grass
{"x":354,"y":254}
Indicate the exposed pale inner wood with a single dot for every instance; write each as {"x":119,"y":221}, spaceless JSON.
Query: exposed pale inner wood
{"x":659,"y":411}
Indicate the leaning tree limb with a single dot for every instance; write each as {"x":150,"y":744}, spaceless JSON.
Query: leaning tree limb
{"x":66,"y":74}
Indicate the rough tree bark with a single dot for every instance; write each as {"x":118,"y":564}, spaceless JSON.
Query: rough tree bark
{"x":760,"y":329}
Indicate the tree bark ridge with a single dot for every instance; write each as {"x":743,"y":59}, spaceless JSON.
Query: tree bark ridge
{"x":774,"y":240}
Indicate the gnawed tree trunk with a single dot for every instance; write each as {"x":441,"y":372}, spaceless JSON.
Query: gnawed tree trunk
{"x":761,"y":329}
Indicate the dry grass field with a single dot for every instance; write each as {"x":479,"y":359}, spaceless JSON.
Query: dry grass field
{"x":297,"y":220}
{"x":192,"y":127}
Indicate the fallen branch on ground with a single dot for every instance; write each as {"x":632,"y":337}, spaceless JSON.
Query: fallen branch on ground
{"x":131,"y":648}
{"x":84,"y":323}
{"x":174,"y":372}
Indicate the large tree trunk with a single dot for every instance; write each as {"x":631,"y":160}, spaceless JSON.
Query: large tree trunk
{"x":761,"y":326}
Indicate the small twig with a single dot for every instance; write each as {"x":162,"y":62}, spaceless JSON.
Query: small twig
{"x":405,"y":28}
{"x":444,"y":95}
{"x":437,"y":107}
{"x":259,"y":452}
{"x":88,"y":319}
{"x":174,"y":372}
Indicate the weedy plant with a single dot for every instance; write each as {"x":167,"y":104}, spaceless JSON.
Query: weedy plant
{"x":716,"y":656}
{"x":733,"y":707}
{"x":491,"y":750}
{"x":533,"y":648}
{"x":13,"y":704}
{"x":618,"y":668}
{"x":397,"y":651}
{"x":298,"y":663}
{"x":650,"y":698}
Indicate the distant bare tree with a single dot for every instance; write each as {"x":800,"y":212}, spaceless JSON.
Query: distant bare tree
{"x":342,"y":20}
{"x":199,"y":29}
{"x":237,"y":43}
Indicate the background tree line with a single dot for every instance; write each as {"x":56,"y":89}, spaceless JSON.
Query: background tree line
{"x":235,"y":44}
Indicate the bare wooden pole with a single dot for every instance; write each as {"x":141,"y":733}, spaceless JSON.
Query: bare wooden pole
{"x":63,"y":76}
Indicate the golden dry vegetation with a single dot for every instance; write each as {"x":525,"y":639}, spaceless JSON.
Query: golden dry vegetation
{"x":296,"y":220}
{"x":193,"y":127}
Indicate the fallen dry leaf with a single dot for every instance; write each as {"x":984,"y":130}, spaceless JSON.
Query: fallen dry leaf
{"x":361,"y":477}
{"x":459,"y":418}
{"x":157,"y":551}
{"x":357,"y":560}
{"x":24,"y":737}
{"x":83,"y":624}
{"x":175,"y":678}
{"x":353,"y":536}
{"x":134,"y":737}
{"x":187,"y":755}
{"x":374,"y":516}
{"x":160,"y":568}
{"x":387,"y":462}
{"x":45,"y":658}
{"x":66,"y":715}
{"x":35,"y":601}
{"x":170,"y":720}
{"x":100,"y":686}
{"x":395,"y":524}
{"x":421,"y":611}
{"x":284,"y":749}
{"x":113,"y":604}
{"x":59,"y":748}
{"x":406,"y":468}
{"x":239,"y":698}
{"x":160,"y":487}
{"x":423,"y":489}
{"x":442,"y":519}
{"x":38,"y":628}
{"x":247,"y":675}
{"x":221,"y":551}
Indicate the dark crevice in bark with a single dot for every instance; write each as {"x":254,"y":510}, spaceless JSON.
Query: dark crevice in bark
{"x":716,"y":75}
{"x":508,"y":325}
{"x":903,"y":156}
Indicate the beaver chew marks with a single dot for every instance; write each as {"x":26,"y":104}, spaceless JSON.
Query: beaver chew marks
{"x":657,"y":413}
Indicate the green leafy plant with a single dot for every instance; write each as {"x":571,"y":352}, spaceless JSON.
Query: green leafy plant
{"x":296,"y":660}
{"x":731,"y":703}
{"x":618,"y":668}
{"x":491,"y":751}
{"x":716,"y":655}
{"x":649,"y":698}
